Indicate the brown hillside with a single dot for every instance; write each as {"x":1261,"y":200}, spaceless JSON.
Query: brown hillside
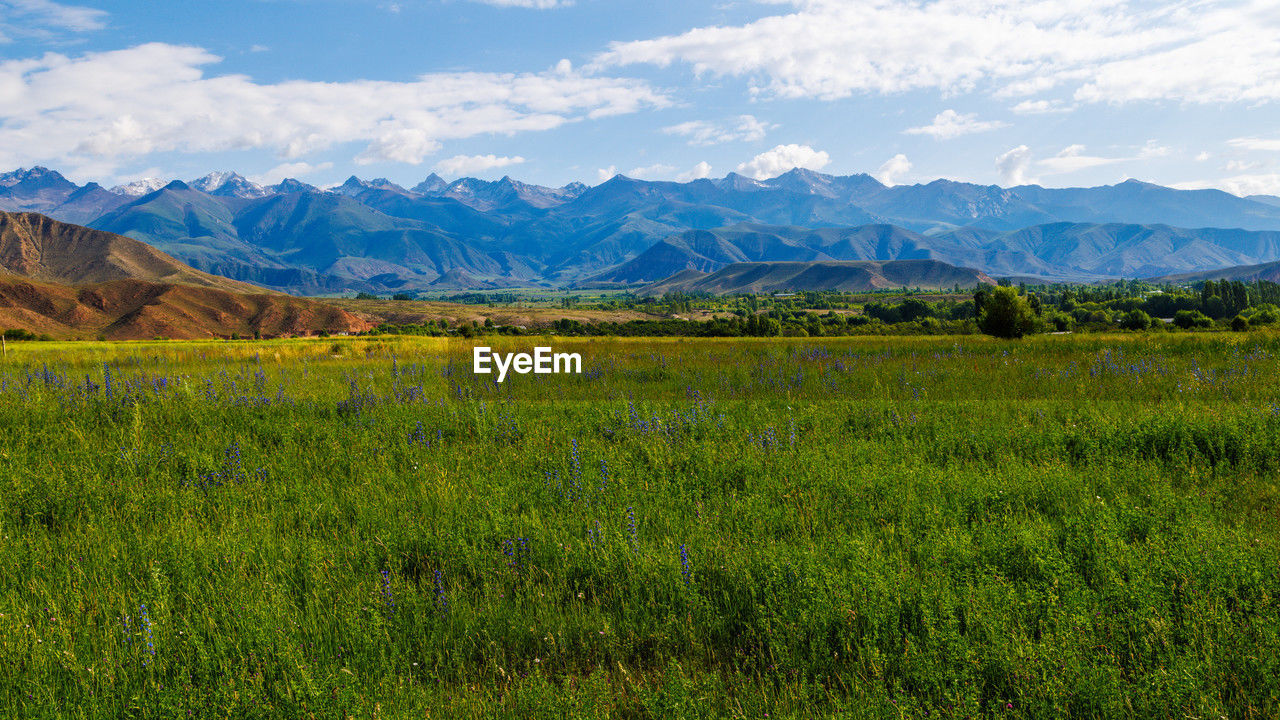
{"x":137,"y":309}
{"x":68,"y":281}
{"x":36,"y":247}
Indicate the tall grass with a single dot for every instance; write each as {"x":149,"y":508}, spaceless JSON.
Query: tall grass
{"x":915,"y":527}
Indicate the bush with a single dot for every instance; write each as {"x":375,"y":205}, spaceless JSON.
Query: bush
{"x":1136,"y":320}
{"x":1240,"y":323}
{"x":1264,"y":315}
{"x":1006,"y":314}
{"x":1187,"y":319}
{"x":1059,"y":322}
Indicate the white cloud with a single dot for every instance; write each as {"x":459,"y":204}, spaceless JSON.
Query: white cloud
{"x":1255,"y":143}
{"x":893,"y":169}
{"x":532,"y":4}
{"x":1040,"y":107}
{"x":1014,"y":164}
{"x":604,"y":174}
{"x":37,"y":18}
{"x":289,"y":170}
{"x":782,"y":158}
{"x":103,"y":108}
{"x":1203,"y":156}
{"x":1072,"y":159}
{"x":471,"y":164}
{"x":951,"y":124}
{"x":1242,"y":185}
{"x":650,"y":171}
{"x":1154,"y":149}
{"x":1244,"y":166}
{"x":744,"y":128}
{"x":697,"y":172}
{"x":1206,"y":51}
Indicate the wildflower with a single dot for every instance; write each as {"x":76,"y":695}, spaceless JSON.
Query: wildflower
{"x":146,"y":626}
{"x":389,"y":602}
{"x":442,"y":601}
{"x":686,"y":570}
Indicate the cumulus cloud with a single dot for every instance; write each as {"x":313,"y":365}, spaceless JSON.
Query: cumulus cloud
{"x":893,"y":169}
{"x":1013,"y":165}
{"x":951,"y":124}
{"x":604,"y":174}
{"x":471,"y":164}
{"x":697,"y":172}
{"x":1108,"y":51}
{"x":103,"y":108}
{"x":744,"y":128}
{"x":782,"y":158}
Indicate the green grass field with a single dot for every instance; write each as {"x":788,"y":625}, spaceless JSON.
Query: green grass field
{"x":949,"y":527}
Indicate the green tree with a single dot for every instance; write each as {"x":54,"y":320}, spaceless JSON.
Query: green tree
{"x":1006,"y":314}
{"x":1136,"y":320}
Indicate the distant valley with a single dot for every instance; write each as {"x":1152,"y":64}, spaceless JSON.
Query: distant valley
{"x":376,"y":236}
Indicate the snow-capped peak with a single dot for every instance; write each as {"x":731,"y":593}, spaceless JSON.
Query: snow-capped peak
{"x":138,"y":188}
{"x":228,"y":184}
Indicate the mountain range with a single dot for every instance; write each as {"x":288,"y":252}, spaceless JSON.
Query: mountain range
{"x":377,"y":236}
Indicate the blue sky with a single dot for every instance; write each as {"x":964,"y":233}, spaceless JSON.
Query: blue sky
{"x":1055,"y":92}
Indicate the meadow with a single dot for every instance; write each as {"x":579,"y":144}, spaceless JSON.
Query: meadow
{"x":866,"y":527}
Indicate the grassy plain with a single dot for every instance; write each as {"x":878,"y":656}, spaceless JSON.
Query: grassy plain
{"x":897,"y":527}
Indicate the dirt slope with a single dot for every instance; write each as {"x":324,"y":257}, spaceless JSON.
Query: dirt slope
{"x":68,"y":281}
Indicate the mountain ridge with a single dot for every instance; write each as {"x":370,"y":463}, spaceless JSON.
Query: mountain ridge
{"x":465,"y":233}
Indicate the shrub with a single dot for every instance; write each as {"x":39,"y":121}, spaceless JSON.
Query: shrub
{"x":1136,"y":320}
{"x":1006,"y":314}
{"x":1187,"y":319}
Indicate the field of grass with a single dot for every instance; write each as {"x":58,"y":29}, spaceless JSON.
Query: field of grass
{"x":954,"y":527}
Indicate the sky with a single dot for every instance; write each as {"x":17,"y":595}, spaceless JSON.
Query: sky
{"x":1059,"y":93}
